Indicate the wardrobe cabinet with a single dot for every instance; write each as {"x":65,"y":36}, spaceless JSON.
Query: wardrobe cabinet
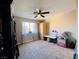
{"x":8,"y":43}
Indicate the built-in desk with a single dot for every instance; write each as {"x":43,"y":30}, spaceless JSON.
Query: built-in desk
{"x":50,"y":38}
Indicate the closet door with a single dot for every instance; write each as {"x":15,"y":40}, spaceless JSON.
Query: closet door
{"x":43,"y":29}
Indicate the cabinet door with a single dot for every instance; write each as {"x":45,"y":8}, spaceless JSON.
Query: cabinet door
{"x":0,"y":26}
{"x":1,"y":40}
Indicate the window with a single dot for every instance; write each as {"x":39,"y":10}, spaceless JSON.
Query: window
{"x":28,"y":27}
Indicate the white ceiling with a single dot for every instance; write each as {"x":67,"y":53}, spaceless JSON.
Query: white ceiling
{"x":25,"y":8}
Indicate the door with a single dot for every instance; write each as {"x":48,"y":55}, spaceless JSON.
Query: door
{"x":43,"y":29}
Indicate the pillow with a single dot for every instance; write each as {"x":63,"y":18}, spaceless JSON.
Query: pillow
{"x":61,"y":42}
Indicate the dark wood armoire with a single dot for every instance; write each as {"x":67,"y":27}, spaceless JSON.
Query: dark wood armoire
{"x":8,"y":44}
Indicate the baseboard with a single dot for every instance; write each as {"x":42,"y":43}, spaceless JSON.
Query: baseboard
{"x":26,"y":42}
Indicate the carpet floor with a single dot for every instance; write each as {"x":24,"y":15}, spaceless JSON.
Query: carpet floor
{"x":44,"y":50}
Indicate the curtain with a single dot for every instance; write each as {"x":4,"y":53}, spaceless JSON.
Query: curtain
{"x":29,"y":31}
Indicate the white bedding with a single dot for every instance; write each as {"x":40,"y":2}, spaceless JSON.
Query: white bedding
{"x":44,"y":50}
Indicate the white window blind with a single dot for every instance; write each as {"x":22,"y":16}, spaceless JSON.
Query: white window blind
{"x":29,"y":27}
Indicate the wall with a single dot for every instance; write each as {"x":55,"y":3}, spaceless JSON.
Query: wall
{"x":23,"y":38}
{"x":18,"y":29}
{"x":63,"y":22}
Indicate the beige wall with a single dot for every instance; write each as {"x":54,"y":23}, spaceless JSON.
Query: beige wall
{"x":63,"y":22}
{"x":18,"y":29}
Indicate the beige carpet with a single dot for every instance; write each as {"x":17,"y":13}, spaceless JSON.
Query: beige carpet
{"x":44,"y":50}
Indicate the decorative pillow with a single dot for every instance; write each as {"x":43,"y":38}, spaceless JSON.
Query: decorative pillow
{"x":61,"y":42}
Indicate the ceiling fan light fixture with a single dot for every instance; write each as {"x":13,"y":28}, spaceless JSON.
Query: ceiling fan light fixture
{"x":38,"y":16}
{"x":39,"y":13}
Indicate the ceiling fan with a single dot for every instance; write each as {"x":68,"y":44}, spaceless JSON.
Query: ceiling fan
{"x":39,"y":12}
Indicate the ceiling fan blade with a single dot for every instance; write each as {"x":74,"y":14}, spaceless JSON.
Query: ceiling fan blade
{"x":42,"y":16}
{"x":45,"y":13}
{"x":39,"y":11}
{"x":35,"y":12}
